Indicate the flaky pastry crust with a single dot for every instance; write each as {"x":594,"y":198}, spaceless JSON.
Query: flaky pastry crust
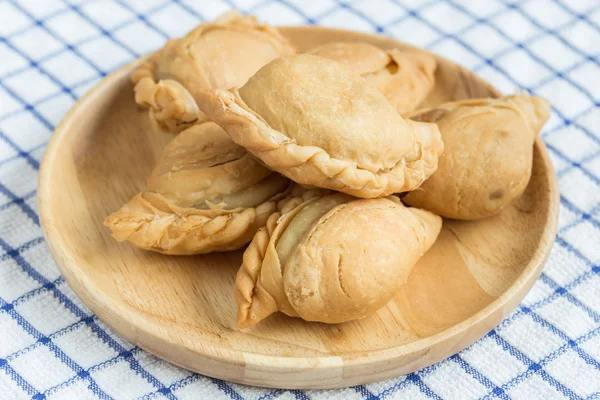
{"x":488,"y":155}
{"x":205,"y":194}
{"x":222,"y":54}
{"x":318,"y":123}
{"x":332,"y":259}
{"x":405,"y":77}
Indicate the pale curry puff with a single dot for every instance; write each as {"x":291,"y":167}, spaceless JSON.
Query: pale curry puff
{"x":319,"y":123}
{"x":221,"y":54}
{"x":205,"y":194}
{"x":487,"y":158}
{"x":405,"y":77}
{"x":331,"y":259}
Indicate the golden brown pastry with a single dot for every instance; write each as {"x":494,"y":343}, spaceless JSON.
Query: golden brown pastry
{"x":222,"y":54}
{"x":205,"y":194}
{"x":317,"y":122}
{"x":487,"y":158}
{"x":331,"y":259}
{"x":404,"y":77}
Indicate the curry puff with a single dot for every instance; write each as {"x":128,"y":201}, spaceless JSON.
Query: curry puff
{"x":405,"y":77}
{"x":331,"y":259}
{"x":319,"y":123}
{"x":205,"y":194}
{"x":222,"y":54}
{"x":488,"y":155}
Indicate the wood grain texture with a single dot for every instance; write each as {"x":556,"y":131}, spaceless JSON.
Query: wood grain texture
{"x":182,"y":308}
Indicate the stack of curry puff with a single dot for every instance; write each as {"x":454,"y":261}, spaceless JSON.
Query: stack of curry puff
{"x":304,"y":156}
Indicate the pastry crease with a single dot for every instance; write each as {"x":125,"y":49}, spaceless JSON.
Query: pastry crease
{"x":488,"y":158}
{"x":405,"y":77}
{"x":205,"y":194}
{"x":221,"y":54}
{"x":329,"y":272}
{"x":253,"y":300}
{"x":359,"y":163}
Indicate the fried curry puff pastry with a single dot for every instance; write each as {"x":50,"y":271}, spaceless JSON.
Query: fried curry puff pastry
{"x":404,"y":77}
{"x":487,"y":158}
{"x":205,"y":194}
{"x":332,"y":259}
{"x":319,"y":123}
{"x":222,"y":54}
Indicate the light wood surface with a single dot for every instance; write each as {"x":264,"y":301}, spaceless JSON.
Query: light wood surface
{"x":182,"y":308}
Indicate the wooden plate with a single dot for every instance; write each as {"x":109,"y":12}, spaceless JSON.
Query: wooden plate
{"x":182,"y":308}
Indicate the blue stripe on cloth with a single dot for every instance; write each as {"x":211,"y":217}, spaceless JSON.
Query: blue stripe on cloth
{"x":296,"y":9}
{"x":175,"y":386}
{"x":13,"y":199}
{"x":532,"y":366}
{"x":396,"y":387}
{"x":54,"y":335}
{"x":20,"y":202}
{"x":43,"y":71}
{"x":24,"y":247}
{"x":581,"y":17}
{"x":91,"y":370}
{"x":189,"y":9}
{"x":78,"y":377}
{"x":497,"y":391}
{"x":348,"y":6}
{"x":408,"y":16}
{"x":233,"y":5}
{"x":71,"y":48}
{"x":416,"y":379}
{"x":34,"y":24}
{"x":76,"y":45}
{"x":575,"y":164}
{"x":227,"y":389}
{"x":81,"y":314}
{"x":271,"y":394}
{"x":29,"y":108}
{"x":552,"y":328}
{"x":20,"y":152}
{"x":18,"y":379}
{"x":534,"y":306}
{"x":572,"y":299}
{"x":565,"y":72}
{"x":45,"y":340}
{"x":365,"y":393}
{"x":532,"y":54}
{"x":477,"y":21}
{"x":584,"y":216}
{"x":561,"y":350}
{"x":145,"y":20}
{"x":299,"y":395}
{"x":7,"y":306}
{"x":103,"y":31}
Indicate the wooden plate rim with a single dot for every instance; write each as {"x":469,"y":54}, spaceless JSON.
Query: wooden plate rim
{"x":106,"y":312}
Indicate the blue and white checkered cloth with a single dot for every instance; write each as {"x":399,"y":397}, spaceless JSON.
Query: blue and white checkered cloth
{"x":52,"y":52}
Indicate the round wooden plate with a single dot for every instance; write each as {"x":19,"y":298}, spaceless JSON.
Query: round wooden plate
{"x":182,"y":308}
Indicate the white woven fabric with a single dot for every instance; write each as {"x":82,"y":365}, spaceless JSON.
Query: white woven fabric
{"x":52,"y":52}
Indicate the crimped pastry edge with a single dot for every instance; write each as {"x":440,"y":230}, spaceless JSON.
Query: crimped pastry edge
{"x":312,"y":165}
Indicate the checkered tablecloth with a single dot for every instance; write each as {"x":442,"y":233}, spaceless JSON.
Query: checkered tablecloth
{"x":52,"y":52}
